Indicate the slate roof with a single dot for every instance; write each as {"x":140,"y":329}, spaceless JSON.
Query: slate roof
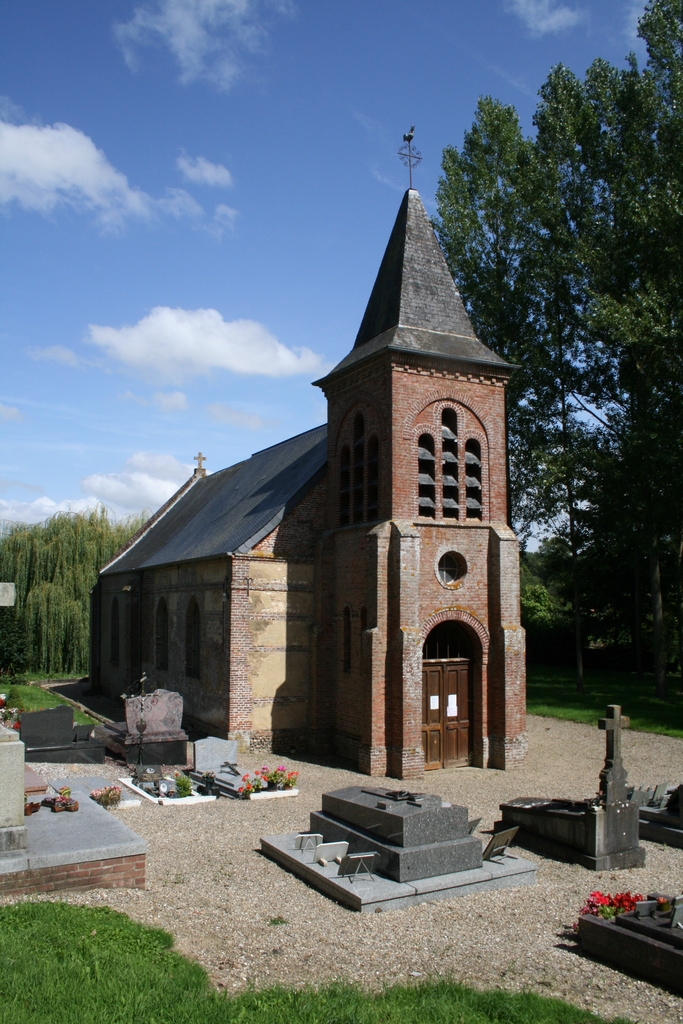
{"x":414,"y":305}
{"x":230,"y":511}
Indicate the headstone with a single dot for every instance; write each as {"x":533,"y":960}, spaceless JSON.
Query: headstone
{"x":13,"y":833}
{"x":8,"y":595}
{"x":211,"y":752}
{"x":153,"y":722}
{"x":50,"y":735}
{"x":602,"y":833}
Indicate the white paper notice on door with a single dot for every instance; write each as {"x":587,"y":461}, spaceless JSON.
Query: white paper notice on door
{"x":434,"y":702}
{"x":452,"y":706}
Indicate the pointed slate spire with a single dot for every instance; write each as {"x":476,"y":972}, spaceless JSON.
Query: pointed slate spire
{"x":414,"y":305}
{"x":414,"y":287}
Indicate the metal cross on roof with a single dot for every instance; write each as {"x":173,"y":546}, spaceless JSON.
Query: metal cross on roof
{"x":200,"y":460}
{"x":409,"y":156}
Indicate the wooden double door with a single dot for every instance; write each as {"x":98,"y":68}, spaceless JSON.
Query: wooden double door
{"x":446,"y":713}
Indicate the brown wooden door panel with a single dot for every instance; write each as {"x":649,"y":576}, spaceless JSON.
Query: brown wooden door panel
{"x":446,"y":709}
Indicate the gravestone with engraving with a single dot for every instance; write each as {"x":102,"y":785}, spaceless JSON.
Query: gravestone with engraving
{"x":600,"y":833}
{"x":51,"y":735}
{"x":153,"y":721}
{"x":211,"y":752}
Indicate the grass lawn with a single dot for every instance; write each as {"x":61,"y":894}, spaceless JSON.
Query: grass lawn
{"x":552,"y":691}
{"x":63,"y":964}
{"x":34,"y":698}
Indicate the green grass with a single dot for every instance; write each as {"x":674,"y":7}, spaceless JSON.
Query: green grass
{"x":552,"y":691}
{"x":34,"y":698}
{"x":64,"y":964}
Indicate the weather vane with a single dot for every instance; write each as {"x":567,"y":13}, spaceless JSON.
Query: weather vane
{"x":410,"y":157}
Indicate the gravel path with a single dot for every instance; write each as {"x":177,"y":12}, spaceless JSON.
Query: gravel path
{"x":208,"y":886}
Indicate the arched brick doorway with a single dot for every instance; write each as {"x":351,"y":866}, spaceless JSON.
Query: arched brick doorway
{"x":447,"y":696}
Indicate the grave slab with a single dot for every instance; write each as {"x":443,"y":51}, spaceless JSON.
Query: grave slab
{"x":367,"y":895}
{"x":661,"y":815}
{"x":168,"y":801}
{"x":88,"y":834}
{"x":34,"y":785}
{"x":82,"y":786}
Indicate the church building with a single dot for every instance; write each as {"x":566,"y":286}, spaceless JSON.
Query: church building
{"x":355,"y":589}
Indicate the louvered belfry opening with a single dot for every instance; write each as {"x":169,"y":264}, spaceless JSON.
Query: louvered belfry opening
{"x":473,"y":479}
{"x":358,"y":466}
{"x":449,"y":463}
{"x":344,"y":485}
{"x":426,"y":470}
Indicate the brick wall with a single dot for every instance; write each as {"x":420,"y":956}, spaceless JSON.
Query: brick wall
{"x":116,"y":873}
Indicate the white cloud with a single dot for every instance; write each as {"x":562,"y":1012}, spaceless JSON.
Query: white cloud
{"x":203,"y":172}
{"x":172,"y":401}
{"x":206,"y":37}
{"x":543,"y":16}
{"x":177,"y":344}
{"x":147,"y":481}
{"x":55,"y":354}
{"x":41,"y":508}
{"x":10,"y":412}
{"x":249,"y":421}
{"x":43,"y":167}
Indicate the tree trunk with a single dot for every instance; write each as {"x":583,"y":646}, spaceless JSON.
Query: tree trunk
{"x":577,"y":602}
{"x":639,"y":619}
{"x":657,"y":619}
{"x":679,"y":581}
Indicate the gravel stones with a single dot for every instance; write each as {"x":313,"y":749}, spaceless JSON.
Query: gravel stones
{"x":208,"y":885}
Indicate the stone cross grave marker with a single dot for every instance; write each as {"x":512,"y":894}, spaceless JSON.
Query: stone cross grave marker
{"x":613,"y":775}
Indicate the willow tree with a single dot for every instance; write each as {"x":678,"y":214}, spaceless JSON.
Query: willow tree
{"x":54,"y":566}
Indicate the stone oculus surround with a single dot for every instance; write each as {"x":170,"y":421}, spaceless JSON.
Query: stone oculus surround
{"x":422,"y":850}
{"x":600,"y":833}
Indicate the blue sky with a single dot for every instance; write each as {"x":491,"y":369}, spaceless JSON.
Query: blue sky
{"x":194,"y":199}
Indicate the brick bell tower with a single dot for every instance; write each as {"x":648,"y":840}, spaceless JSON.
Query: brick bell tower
{"x":419,"y":658}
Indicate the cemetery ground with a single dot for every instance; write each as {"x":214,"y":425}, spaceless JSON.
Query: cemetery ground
{"x":250,"y":924}
{"x":551,"y":690}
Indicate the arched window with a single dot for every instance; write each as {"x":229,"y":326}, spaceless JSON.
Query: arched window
{"x":162,"y":636}
{"x":373,"y":478}
{"x":358,"y":467}
{"x":473,"y":479}
{"x":447,"y":640}
{"x":347,"y":640}
{"x":114,"y":632}
{"x":344,"y":485}
{"x":192,"y":640}
{"x":426,"y":476}
{"x":449,"y":459}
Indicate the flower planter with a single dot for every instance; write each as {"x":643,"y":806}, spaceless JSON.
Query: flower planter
{"x":73,"y":806}
{"x":31,"y":808}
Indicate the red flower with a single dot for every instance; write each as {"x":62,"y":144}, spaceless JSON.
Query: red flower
{"x":17,"y":725}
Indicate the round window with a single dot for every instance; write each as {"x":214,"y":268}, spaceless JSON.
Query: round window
{"x":452,"y":567}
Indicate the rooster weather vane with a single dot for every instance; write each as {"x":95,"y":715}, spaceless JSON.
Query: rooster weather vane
{"x":410,"y":157}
